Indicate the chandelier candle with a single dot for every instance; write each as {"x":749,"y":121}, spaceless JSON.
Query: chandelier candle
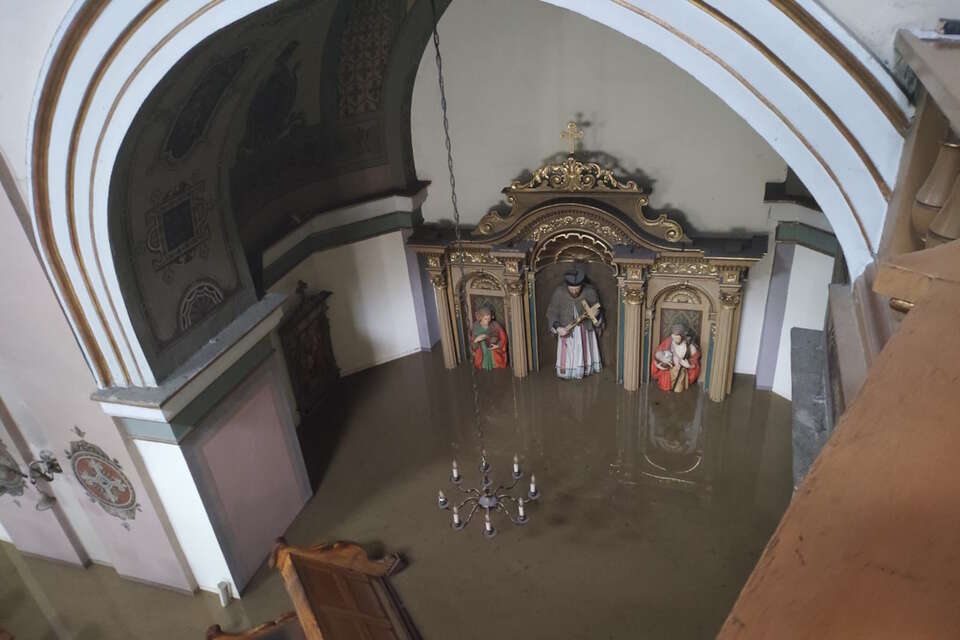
{"x":489,"y":499}
{"x":455,"y":474}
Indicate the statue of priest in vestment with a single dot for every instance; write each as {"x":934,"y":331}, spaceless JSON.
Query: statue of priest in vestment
{"x":576,"y":318}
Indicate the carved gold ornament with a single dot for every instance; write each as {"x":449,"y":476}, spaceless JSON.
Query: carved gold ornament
{"x":434,"y":261}
{"x":579,"y":220}
{"x":633,"y":296}
{"x":730,"y":299}
{"x":439,"y":280}
{"x":683,"y":295}
{"x":515,"y":287}
{"x":473,"y":257}
{"x":573,"y":175}
{"x":634,"y":272}
{"x":684,"y":266}
{"x":489,"y":223}
{"x":483,"y":281}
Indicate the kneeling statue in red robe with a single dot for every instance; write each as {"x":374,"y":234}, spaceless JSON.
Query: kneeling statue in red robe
{"x":676,"y":362}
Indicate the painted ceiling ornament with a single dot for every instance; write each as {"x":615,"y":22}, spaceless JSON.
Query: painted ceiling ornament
{"x":103,"y":479}
{"x":177,"y":227}
{"x":12,"y":480}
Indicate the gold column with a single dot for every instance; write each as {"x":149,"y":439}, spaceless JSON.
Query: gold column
{"x":518,"y":334}
{"x":632,"y":326}
{"x":728,"y":320}
{"x":445,"y":317}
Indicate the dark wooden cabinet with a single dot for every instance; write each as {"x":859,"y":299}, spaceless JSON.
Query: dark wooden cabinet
{"x":305,"y":335}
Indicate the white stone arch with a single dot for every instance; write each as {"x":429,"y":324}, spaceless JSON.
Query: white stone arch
{"x":109,"y":55}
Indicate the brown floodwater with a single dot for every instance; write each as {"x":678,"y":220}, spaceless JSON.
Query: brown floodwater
{"x":654,"y":510}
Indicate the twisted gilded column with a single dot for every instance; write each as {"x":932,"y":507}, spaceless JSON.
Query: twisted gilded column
{"x":632,"y":325}
{"x":445,"y":318}
{"x":518,"y":341}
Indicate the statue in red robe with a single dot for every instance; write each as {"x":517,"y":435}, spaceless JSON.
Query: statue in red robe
{"x":676,"y":362}
{"x":488,"y":341}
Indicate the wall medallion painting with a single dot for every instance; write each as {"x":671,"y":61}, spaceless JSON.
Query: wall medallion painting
{"x":103,"y":479}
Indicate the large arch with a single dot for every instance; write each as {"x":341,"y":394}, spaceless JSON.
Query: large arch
{"x":785,"y":66}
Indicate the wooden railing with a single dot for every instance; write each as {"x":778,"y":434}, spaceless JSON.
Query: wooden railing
{"x":868,"y":546}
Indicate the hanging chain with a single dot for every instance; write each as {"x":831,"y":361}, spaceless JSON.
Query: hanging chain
{"x":456,"y":212}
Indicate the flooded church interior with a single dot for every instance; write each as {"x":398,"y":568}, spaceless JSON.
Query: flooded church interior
{"x":336,"y":319}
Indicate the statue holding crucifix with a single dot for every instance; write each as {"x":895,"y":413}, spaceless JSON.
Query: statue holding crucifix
{"x":576,"y":318}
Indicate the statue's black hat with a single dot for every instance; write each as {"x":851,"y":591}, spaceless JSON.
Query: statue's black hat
{"x":574,"y":276}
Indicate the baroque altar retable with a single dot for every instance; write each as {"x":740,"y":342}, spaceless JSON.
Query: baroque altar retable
{"x":580,"y":212}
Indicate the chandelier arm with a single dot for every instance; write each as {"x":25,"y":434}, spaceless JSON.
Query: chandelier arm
{"x":503,"y":507}
{"x":465,"y":501}
{"x":468,"y":492}
{"x":466,"y":521}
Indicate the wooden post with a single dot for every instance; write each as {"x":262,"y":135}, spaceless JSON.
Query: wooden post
{"x":444,"y":316}
{"x":518,"y":334}
{"x":632,"y":325}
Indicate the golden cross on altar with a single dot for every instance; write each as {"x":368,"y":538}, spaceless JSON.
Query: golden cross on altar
{"x":573,"y":133}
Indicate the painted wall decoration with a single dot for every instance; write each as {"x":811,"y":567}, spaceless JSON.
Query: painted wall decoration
{"x":200,"y":106}
{"x":198,"y":301}
{"x":177,"y":227}
{"x":271,"y":114}
{"x":364,"y":52}
{"x":12,"y":479}
{"x":103,"y":479}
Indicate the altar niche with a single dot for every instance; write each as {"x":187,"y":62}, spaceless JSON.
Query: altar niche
{"x":649,"y":273}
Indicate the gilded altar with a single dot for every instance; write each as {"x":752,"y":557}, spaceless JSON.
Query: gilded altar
{"x":654,"y":270}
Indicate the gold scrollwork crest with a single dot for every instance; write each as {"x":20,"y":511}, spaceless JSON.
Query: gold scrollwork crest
{"x":573,"y":175}
{"x":550,"y":225}
{"x":489,"y":223}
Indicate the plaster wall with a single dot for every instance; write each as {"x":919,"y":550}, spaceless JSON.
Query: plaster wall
{"x":517,"y":71}
{"x":875,"y":24}
{"x":376,"y":314}
{"x":806,"y":307}
{"x":46,"y":385}
{"x":4,"y":536}
{"x":188,"y":517}
{"x":26,"y":31}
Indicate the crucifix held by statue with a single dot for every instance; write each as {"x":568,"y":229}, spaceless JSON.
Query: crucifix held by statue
{"x":576,"y":318}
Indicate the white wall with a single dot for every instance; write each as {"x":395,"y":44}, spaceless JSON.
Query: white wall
{"x":755,"y":291}
{"x":806,"y":307}
{"x":188,"y":517}
{"x":4,"y":536}
{"x":26,"y":31}
{"x":375,"y":312}
{"x":875,"y":24}
{"x":517,"y":71}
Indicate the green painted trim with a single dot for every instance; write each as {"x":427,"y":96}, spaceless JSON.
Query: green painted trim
{"x":339,"y":236}
{"x":181,"y":425}
{"x":810,"y":237}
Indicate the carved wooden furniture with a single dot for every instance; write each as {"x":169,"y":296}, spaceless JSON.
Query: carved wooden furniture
{"x":339,"y":593}
{"x":580,"y":212}
{"x":305,"y":335}
{"x":286,"y":627}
